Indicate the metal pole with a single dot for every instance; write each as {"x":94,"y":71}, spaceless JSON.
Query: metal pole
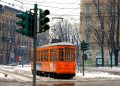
{"x":83,"y":59}
{"x":34,"y":44}
{"x":83,"y":64}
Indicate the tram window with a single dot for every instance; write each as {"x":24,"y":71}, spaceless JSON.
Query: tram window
{"x":41,"y":55}
{"x":61,"y":54}
{"x":72,"y":54}
{"x":32,"y":56}
{"x":53,"y":54}
{"x":38,"y":55}
{"x":67,"y":54}
{"x":45,"y":55}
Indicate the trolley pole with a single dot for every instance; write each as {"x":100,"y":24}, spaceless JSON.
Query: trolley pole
{"x":34,"y":44}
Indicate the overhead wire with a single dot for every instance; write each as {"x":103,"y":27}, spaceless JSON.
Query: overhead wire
{"x":58,"y":8}
{"x":46,"y":6}
{"x":47,"y":2}
{"x":66,"y":14}
{"x":73,"y":9}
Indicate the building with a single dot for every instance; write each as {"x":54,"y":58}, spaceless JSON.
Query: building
{"x":95,"y":18}
{"x":12,"y":44}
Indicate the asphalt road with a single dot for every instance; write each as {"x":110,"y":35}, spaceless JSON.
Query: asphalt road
{"x":65,"y":83}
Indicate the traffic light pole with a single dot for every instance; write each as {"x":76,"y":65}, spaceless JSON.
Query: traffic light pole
{"x":34,"y":44}
{"x":28,"y":23}
{"x":83,"y":59}
{"x":84,"y":47}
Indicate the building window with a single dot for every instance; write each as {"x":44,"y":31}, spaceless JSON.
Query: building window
{"x":98,"y":24}
{"x":88,"y":34}
{"x":88,"y":8}
{"x":100,"y":8}
{"x":88,"y":21}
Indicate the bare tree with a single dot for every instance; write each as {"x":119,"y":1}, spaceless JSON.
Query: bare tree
{"x":117,"y":34}
{"x":113,"y":23}
{"x":68,"y":32}
{"x":111,"y":18}
{"x":100,"y":33}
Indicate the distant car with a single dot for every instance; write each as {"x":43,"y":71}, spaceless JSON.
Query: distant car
{"x":13,"y":64}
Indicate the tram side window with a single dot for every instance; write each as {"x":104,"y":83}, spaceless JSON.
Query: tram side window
{"x":38,"y":55}
{"x":31,"y":56}
{"x":61,"y":54}
{"x":53,"y":54}
{"x":42,"y":55}
{"x":72,"y":54}
{"x":67,"y":54}
{"x":45,"y":55}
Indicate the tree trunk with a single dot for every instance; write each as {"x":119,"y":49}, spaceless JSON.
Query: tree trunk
{"x":111,"y":63}
{"x":116,"y":51}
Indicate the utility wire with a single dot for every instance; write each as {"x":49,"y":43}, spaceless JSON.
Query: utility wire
{"x":50,"y":7}
{"x":42,"y":5}
{"x":58,"y":7}
{"x":47,"y":2}
{"x":63,"y":15}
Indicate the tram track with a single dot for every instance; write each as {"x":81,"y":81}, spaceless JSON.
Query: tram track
{"x":26,"y":76}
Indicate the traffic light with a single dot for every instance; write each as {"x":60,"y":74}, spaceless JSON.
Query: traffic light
{"x":25,"y":23}
{"x":84,"y":46}
{"x":43,"y":20}
{"x":31,"y":24}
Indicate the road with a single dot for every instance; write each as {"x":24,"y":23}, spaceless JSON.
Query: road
{"x":21,"y":79}
{"x":66,"y":83}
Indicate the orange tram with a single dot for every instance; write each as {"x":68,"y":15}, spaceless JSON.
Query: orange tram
{"x":56,"y":60}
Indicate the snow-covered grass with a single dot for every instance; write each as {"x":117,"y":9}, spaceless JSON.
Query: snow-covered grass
{"x":97,"y":75}
{"x":109,"y":68}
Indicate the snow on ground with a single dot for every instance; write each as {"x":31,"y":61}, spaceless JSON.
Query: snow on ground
{"x":97,"y":75}
{"x":87,"y":74}
{"x":24,"y":67}
{"x":2,"y":76}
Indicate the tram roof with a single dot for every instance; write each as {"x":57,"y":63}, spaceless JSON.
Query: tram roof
{"x":59,"y":43}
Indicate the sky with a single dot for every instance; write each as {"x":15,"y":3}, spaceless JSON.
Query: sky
{"x":69,"y":9}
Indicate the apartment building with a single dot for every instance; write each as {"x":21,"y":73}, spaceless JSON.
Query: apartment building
{"x":12,"y":44}
{"x":95,"y":28}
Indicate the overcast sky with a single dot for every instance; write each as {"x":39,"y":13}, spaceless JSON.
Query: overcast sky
{"x":58,"y":8}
